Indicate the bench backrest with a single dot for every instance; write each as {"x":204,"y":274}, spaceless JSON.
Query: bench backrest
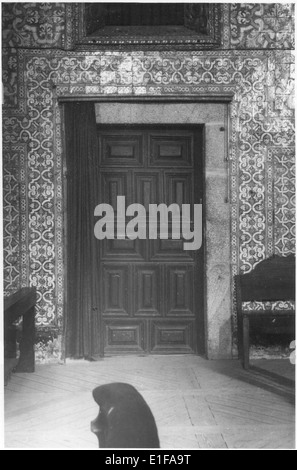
{"x":272,"y":279}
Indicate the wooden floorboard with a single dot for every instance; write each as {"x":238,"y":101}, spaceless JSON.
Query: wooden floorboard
{"x":196,"y":403}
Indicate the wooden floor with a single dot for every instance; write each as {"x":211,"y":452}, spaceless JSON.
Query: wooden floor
{"x":196,"y":403}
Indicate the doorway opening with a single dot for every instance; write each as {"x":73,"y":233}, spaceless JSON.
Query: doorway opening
{"x":151,"y":296}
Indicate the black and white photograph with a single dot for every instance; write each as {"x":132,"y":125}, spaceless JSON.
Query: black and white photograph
{"x":148,"y":228}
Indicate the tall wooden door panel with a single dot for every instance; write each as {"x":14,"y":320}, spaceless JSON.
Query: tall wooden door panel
{"x":151,"y":290}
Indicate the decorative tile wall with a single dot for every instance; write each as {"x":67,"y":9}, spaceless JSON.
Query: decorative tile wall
{"x":262,"y":25}
{"x":34,"y":25}
{"x":261,"y":152}
{"x":11,"y":213}
{"x":284,"y":199}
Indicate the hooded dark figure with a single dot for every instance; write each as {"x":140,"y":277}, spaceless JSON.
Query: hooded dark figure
{"x":125,"y":419}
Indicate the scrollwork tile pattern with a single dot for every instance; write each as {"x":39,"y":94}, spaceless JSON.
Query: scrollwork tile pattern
{"x":33,"y":24}
{"x":260,"y":25}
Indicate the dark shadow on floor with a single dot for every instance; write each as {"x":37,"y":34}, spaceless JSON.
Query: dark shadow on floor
{"x":9,"y":366}
{"x":267,"y":375}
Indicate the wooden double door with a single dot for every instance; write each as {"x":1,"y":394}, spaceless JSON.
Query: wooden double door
{"x":151,"y":290}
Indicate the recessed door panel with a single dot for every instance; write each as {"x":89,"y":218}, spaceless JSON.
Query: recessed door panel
{"x":116,"y":288}
{"x":170,"y":250}
{"x":147,"y":281}
{"x":119,"y":150}
{"x":118,"y":249}
{"x":113,"y":185}
{"x":175,"y":337}
{"x":179,"y":294}
{"x":171,"y":150}
{"x":179,"y":188}
{"x":124,"y":336}
{"x":148,"y":189}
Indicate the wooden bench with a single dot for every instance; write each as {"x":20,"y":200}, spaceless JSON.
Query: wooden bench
{"x":271,"y":280}
{"x":20,"y":304}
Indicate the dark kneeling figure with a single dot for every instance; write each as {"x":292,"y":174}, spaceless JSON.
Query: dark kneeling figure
{"x":125,"y":419}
